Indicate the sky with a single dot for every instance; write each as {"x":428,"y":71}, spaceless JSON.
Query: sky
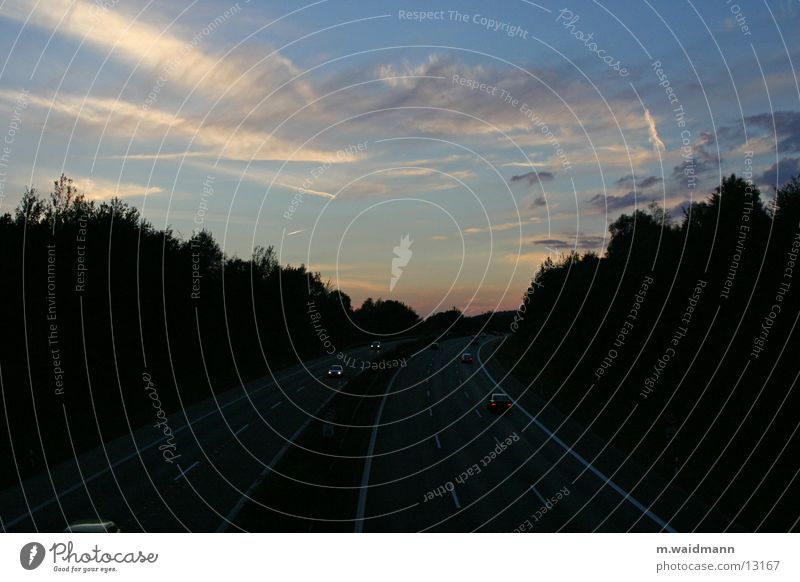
{"x":429,"y":152}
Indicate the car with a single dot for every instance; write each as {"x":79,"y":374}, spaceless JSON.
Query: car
{"x":499,"y":403}
{"x":375,"y":346}
{"x":466,"y":358}
{"x":92,"y":526}
{"x":435,"y":346}
{"x":335,"y":371}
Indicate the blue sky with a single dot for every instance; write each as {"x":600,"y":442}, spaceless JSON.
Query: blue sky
{"x":332,"y":129}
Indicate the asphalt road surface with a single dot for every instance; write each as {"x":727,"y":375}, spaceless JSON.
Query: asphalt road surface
{"x":226,"y":446}
{"x":437,"y":460}
{"x":440,"y":461}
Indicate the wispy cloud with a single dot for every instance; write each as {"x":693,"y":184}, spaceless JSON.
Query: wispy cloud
{"x":100,"y":189}
{"x":534,"y":177}
{"x":123,"y":118}
{"x":652,"y":132}
{"x":183,"y":56}
{"x":497,"y":227}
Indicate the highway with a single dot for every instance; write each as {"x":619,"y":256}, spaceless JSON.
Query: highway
{"x":436,"y":460}
{"x":226,"y":446}
{"x":441,"y":462}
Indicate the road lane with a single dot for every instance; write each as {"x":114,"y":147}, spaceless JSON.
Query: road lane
{"x":437,"y":451}
{"x":132,"y":484}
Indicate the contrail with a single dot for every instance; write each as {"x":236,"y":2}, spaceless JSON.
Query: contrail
{"x":652,"y":132}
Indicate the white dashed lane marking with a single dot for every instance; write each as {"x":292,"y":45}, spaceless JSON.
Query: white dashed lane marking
{"x":539,"y":495}
{"x":455,"y":499}
{"x":186,"y":470}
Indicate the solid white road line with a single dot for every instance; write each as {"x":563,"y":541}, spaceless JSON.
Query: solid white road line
{"x":362,"y":495}
{"x":625,"y":495}
{"x":186,"y":470}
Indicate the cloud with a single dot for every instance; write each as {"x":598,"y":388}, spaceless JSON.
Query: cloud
{"x":158,"y":49}
{"x":534,"y":177}
{"x":703,"y":160}
{"x":154,"y":156}
{"x":177,"y":63}
{"x":554,"y":243}
{"x":433,"y":162}
{"x":100,"y":189}
{"x":652,"y":132}
{"x":430,"y":105}
{"x":780,"y":172}
{"x":612,"y":202}
{"x":592,"y":241}
{"x":123,"y":118}
{"x":304,"y":191}
{"x":408,"y":172}
{"x":785,"y":125}
{"x":537,"y":202}
{"x":627,"y":182}
{"x":571,"y":241}
{"x":516,"y":165}
{"x":649,"y":181}
{"x":494,"y":227}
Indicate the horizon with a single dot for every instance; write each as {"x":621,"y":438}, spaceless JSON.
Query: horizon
{"x":400,"y":267}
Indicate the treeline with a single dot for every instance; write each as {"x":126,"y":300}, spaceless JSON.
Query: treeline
{"x":96,"y":305}
{"x":692,"y":323}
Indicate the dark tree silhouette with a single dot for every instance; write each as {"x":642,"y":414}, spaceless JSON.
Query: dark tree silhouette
{"x":94,"y":297}
{"x":729,"y":385}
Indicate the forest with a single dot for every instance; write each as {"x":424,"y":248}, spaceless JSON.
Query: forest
{"x":97,"y":307}
{"x":679,"y":345}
